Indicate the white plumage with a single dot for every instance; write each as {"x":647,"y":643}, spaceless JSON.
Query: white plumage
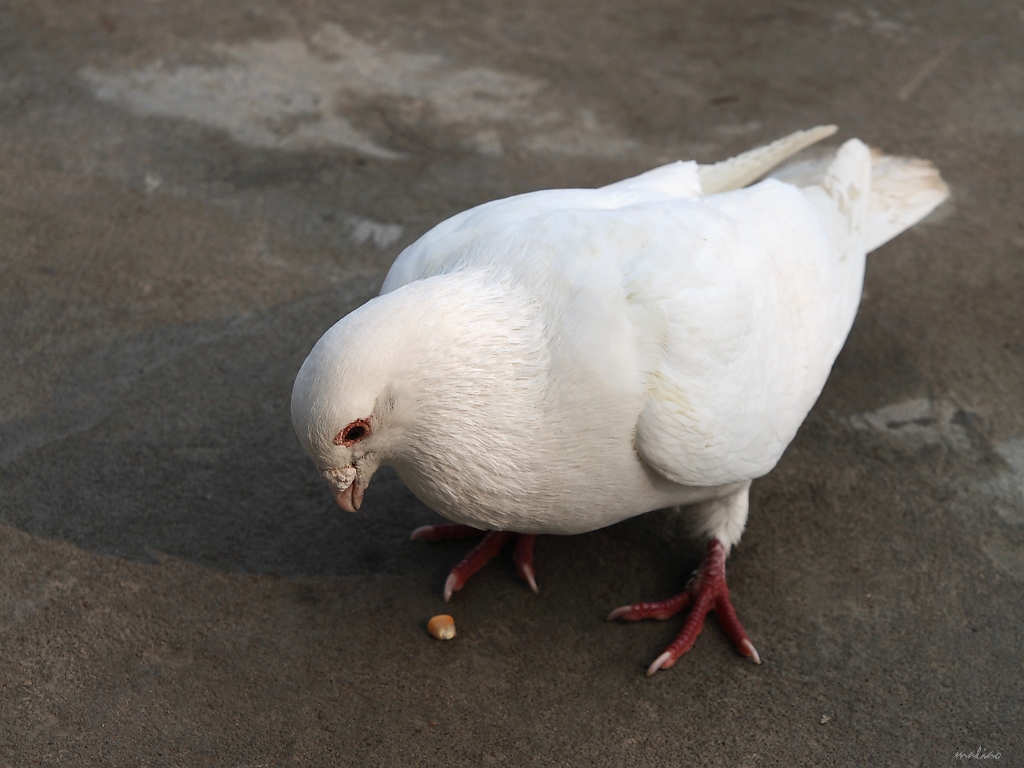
{"x":561,"y":360}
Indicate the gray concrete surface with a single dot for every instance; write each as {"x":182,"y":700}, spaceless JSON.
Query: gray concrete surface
{"x":190,"y":193}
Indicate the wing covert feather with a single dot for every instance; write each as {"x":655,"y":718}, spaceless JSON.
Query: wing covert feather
{"x":745,"y":341}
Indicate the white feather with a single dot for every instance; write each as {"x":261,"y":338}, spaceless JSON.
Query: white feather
{"x":562,"y":360}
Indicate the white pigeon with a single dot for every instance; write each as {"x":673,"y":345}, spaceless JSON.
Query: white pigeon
{"x":558,"y":361}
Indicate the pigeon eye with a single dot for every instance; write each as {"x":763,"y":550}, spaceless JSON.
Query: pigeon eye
{"x":353,"y":433}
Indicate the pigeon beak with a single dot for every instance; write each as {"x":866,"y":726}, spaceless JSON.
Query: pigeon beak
{"x":346,"y":486}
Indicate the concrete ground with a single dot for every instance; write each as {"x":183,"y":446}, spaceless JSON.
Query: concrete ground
{"x":191,"y":193}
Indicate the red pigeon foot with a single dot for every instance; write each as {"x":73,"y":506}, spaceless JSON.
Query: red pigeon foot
{"x":707,"y":592}
{"x":482,"y":553}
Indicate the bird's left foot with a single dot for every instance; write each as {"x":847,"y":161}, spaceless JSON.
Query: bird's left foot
{"x":707,"y":592}
{"x":482,"y":553}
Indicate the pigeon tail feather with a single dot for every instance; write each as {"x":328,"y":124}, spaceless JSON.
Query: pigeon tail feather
{"x":744,"y":169}
{"x":903,"y":191}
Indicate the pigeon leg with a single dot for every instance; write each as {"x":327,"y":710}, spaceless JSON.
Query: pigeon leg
{"x":707,"y":592}
{"x":482,"y":553}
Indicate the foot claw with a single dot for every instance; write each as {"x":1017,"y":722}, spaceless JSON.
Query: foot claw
{"x":662,"y":662}
{"x":527,"y":574}
{"x":523,"y":558}
{"x":619,"y":612}
{"x":451,"y":585}
{"x":746,"y":648}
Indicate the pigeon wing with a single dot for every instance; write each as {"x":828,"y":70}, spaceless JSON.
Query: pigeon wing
{"x":744,"y":320}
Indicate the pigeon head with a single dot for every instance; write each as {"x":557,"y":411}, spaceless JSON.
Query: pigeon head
{"x":439,"y":379}
{"x":346,"y":401}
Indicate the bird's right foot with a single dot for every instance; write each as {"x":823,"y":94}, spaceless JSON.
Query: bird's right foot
{"x":482,"y":553}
